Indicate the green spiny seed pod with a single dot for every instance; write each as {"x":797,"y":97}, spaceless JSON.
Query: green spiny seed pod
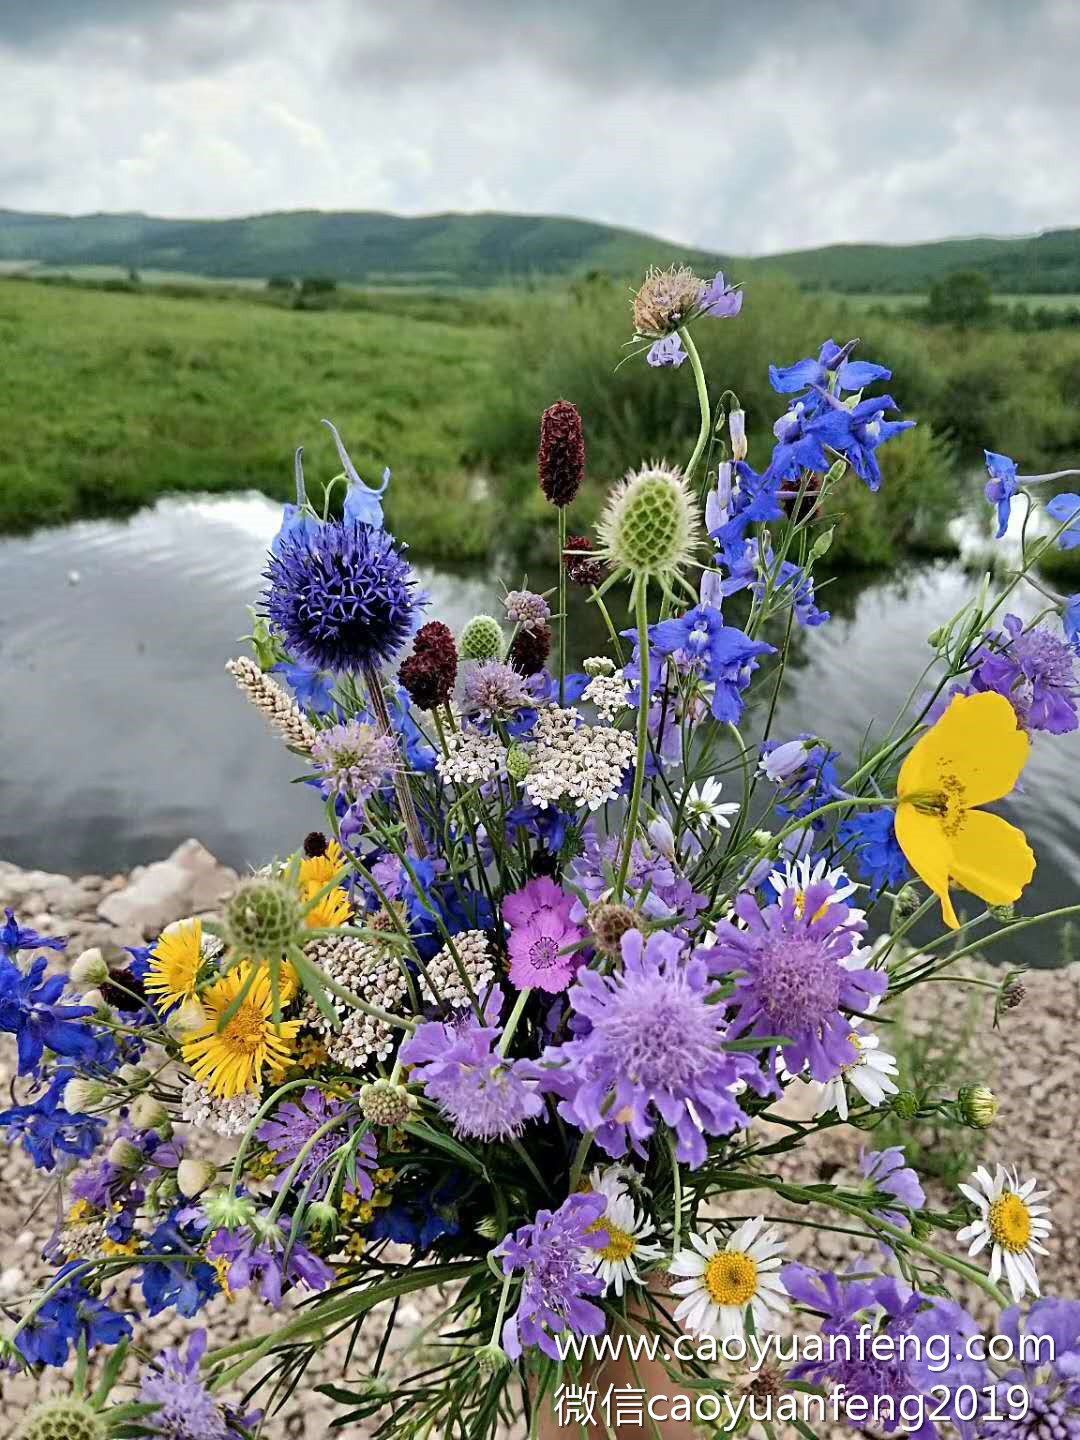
{"x":482,"y":639}
{"x":262,"y":917}
{"x":905,"y":1104}
{"x":650,"y":527}
{"x":227,"y":1212}
{"x":490,"y":1359}
{"x":977,"y":1106}
{"x":383,"y":1103}
{"x":517,"y":762}
{"x":322,"y":1218}
{"x":62,"y":1420}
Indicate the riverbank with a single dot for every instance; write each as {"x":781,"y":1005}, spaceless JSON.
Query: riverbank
{"x":1033,"y":1063}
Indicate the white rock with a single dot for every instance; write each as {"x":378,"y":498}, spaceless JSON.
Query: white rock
{"x":189,"y":882}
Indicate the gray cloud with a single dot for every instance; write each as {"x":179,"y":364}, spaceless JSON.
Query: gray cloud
{"x":740,"y":127}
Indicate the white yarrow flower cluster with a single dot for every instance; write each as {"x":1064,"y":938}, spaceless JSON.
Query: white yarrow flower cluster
{"x":584,"y":764}
{"x":472,"y":758}
{"x":442,"y":981}
{"x":609,"y":693}
{"x":368,"y":972}
{"x":199,"y":1107}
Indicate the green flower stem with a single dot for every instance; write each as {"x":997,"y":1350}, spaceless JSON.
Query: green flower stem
{"x":515,"y":1015}
{"x":562,"y":604}
{"x":301,"y":1155}
{"x":401,"y":780}
{"x":676,"y":1198}
{"x":579,"y":1160}
{"x":504,"y":1296}
{"x":260,"y":1115}
{"x":703,"y":401}
{"x":641,"y":599}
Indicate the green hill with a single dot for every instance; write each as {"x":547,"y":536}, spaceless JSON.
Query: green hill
{"x":374,"y":248}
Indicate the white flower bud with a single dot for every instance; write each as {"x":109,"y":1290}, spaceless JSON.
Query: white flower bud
{"x":148,"y":1113}
{"x":186,"y":1018}
{"x":96,"y":1000}
{"x":89,"y":969}
{"x":134,"y":1075}
{"x":193,"y":1176}
{"x":83,"y":1095}
{"x":124,"y":1155}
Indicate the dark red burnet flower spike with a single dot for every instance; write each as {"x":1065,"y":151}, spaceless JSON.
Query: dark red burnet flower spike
{"x":561,"y":460}
{"x":429,"y":673}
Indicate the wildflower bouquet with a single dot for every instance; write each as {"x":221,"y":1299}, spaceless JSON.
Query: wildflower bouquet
{"x":577,"y":965}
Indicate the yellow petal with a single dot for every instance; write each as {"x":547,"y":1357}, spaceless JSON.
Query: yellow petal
{"x":977,"y":742}
{"x":923,"y":840}
{"x":991,"y":858}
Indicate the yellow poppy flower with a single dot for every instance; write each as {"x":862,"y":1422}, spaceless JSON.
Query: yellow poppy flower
{"x":174,"y":965}
{"x":231,"y":1060}
{"x":319,"y":870}
{"x":973,"y":755}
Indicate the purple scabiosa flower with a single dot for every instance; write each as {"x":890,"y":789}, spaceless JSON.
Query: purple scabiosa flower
{"x":267,"y":1255}
{"x":541,"y":930}
{"x":871,"y":836}
{"x":891,"y":1376}
{"x":493,"y":689}
{"x":1035,"y":671}
{"x":720,"y":300}
{"x":1002,"y":485}
{"x":667,"y":353}
{"x":341,"y":596}
{"x":185,"y":1409}
{"x":799,"y":968}
{"x":654,"y":1050}
{"x":483,"y":1095}
{"x":1047,"y":1347}
{"x":293,"y":1125}
{"x":699,"y":643}
{"x":1066,"y":507}
{"x":556,"y":1254}
{"x":527,"y":609}
{"x":29,"y":1011}
{"x":888,"y":1171}
{"x":353,"y":759}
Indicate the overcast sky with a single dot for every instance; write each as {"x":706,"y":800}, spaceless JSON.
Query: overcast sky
{"x":746,"y":127}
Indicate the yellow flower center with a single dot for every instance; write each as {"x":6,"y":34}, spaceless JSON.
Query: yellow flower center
{"x":731,"y":1278}
{"x":246,"y":1031}
{"x":800,"y":906}
{"x":1010,"y":1223}
{"x":620,"y":1244}
{"x":860,"y":1059}
{"x":221,"y":1266}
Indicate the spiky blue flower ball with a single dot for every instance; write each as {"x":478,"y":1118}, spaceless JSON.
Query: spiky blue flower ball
{"x":340,"y":595}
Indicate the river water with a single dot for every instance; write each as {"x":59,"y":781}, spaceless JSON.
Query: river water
{"x":122,"y":734}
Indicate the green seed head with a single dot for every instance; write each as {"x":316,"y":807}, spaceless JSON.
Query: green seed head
{"x":227,"y":1212}
{"x":905,"y":1104}
{"x":382,"y":1103}
{"x":62,"y":1420}
{"x":517,"y":762}
{"x":261,"y":918}
{"x":650,"y":525}
{"x":482,"y":639}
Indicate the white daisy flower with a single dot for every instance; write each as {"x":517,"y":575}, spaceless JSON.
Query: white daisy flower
{"x":798,"y":875}
{"x":1012,"y":1221}
{"x":629,"y":1232}
{"x":721,"y":1283}
{"x":870,"y":1074}
{"x":703,"y":804}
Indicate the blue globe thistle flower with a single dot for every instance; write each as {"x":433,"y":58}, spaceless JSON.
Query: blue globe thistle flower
{"x":341,"y":596}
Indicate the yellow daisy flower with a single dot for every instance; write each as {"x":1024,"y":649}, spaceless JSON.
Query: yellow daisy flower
{"x":973,"y":755}
{"x":333,"y":909}
{"x":319,"y":870}
{"x":231,"y":1059}
{"x":175,"y":962}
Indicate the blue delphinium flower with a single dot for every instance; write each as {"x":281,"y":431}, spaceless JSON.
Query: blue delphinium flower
{"x":71,"y":1314}
{"x":362,"y":504}
{"x":46,"y":1128}
{"x":30,"y":1011}
{"x":807,"y":785}
{"x":1066,"y":507}
{"x":419,"y":1215}
{"x":805,"y":434}
{"x":294,"y":1125}
{"x":341,"y":596}
{"x":485,"y":1096}
{"x":868,"y":430}
{"x":832,"y":365}
{"x":187,"y":1282}
{"x":14,"y":938}
{"x":754,"y":499}
{"x":720,"y":655}
{"x":1002,"y":486}
{"x":1036,"y":673}
{"x":656,"y":1044}
{"x":871,"y":836}
{"x":556,"y":1254}
{"x":312,"y":688}
{"x":184,"y":1407}
{"x":1070,"y":619}
{"x":799,"y":974}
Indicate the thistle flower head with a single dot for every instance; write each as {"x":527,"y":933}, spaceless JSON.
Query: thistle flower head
{"x":262,"y":917}
{"x":650,"y":528}
{"x":609,"y":922}
{"x":353,"y":758}
{"x":429,"y":673}
{"x":666,"y":300}
{"x":69,"y":1419}
{"x":481,"y":639}
{"x":561,"y":459}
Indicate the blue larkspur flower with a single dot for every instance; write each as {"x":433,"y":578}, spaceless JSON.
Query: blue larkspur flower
{"x":556,"y":1255}
{"x":186,"y":1283}
{"x":1066,"y":507}
{"x":30,"y":1011}
{"x":1001,"y":487}
{"x":753,"y":499}
{"x":699,"y":643}
{"x":1070,"y":620}
{"x":809,"y":784}
{"x":654,"y":1051}
{"x":70,"y":1315}
{"x":312,"y":688}
{"x":832,"y":364}
{"x":871,"y":836}
{"x":47,"y":1130}
{"x":14,"y":937}
{"x":341,"y":596}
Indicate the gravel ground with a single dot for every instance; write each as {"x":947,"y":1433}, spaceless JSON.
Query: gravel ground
{"x":1033,"y":1065}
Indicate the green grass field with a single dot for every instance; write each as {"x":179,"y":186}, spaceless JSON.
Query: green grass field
{"x":112,"y":399}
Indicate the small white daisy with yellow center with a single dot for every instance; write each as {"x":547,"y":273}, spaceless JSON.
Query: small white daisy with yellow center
{"x":629,"y":1231}
{"x":870,"y":1073}
{"x":799,"y":875}
{"x":721,"y":1282}
{"x":1013,"y":1221}
{"x":703,"y":804}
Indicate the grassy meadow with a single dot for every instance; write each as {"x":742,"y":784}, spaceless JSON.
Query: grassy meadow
{"x":115,"y":395}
